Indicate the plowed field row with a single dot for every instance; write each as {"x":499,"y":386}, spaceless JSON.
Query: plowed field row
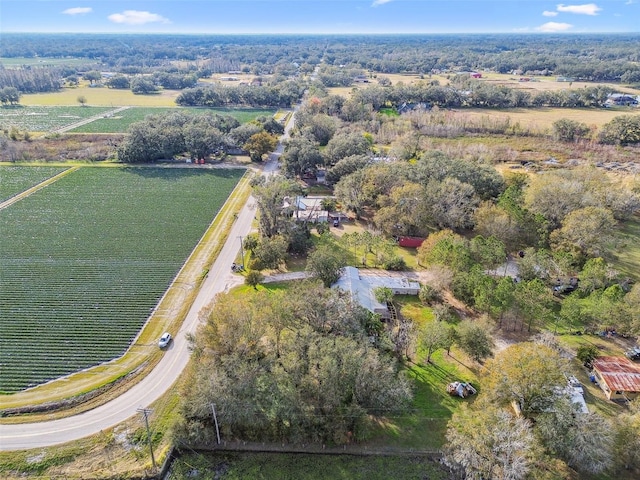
{"x":85,"y":261}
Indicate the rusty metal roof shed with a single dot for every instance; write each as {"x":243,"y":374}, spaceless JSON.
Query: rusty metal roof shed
{"x":619,"y":373}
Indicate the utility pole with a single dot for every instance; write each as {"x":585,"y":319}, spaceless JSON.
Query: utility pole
{"x":241,"y":252}
{"x":215,"y":420}
{"x":145,"y":413}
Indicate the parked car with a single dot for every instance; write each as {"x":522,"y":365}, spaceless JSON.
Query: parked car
{"x":633,"y":354}
{"x":336,"y":223}
{"x":165,"y":339}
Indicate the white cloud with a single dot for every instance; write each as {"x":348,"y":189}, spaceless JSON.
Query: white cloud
{"x":586,"y":9}
{"x":630,"y":2}
{"x":554,"y":27}
{"x":380,"y":2}
{"x":547,"y":13}
{"x":78,"y":10}
{"x":137,"y":17}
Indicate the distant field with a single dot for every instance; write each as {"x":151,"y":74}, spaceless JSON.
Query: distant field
{"x":85,"y":260}
{"x":101,"y":96}
{"x":49,"y":118}
{"x":14,"y":180}
{"x":45,"y":119}
{"x":549,"y":83}
{"x":543,"y":118}
{"x":120,"y":123}
{"x":42,"y":61}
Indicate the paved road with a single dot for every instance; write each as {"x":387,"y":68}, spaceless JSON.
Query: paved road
{"x":143,"y":394}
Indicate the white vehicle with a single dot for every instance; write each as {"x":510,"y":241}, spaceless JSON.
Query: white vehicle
{"x":165,"y":339}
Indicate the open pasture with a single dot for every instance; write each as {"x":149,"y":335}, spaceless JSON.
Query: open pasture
{"x":120,"y":122}
{"x":14,"y":180}
{"x":45,"y":119}
{"x":541,"y":119}
{"x":85,"y":261}
{"x":101,"y":96}
{"x":538,"y":83}
{"x":17,"y":62}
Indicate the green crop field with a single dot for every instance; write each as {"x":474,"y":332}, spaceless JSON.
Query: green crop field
{"x":119,"y":123}
{"x":45,"y":119}
{"x":85,"y":260}
{"x":14,"y":180}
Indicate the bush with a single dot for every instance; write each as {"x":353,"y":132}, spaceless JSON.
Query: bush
{"x":587,"y":354}
{"x":428,"y":294}
{"x":395,"y":263}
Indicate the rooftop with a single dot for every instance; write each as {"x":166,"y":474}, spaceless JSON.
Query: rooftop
{"x":619,"y":373}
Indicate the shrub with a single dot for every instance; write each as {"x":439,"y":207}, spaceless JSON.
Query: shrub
{"x":395,"y":263}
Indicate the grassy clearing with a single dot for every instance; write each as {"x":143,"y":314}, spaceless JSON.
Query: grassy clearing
{"x":16,"y":179}
{"x":628,"y":255}
{"x":542,"y":118}
{"x":548,"y":83}
{"x":16,"y":62}
{"x":311,"y":467}
{"x":425,"y":425}
{"x":77,"y":287}
{"x":45,"y":119}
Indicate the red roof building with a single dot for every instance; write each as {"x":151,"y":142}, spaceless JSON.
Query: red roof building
{"x":411,"y":242}
{"x":618,"y":377}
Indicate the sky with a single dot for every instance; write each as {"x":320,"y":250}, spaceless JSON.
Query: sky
{"x":319,"y":16}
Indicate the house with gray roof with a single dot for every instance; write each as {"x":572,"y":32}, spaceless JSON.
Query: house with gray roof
{"x":361,"y":285}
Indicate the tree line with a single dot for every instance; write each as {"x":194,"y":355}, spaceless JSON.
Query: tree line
{"x":584,"y":57}
{"x":164,"y":136}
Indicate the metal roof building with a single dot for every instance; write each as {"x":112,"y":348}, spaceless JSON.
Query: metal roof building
{"x":618,"y":377}
{"x":360,"y":286}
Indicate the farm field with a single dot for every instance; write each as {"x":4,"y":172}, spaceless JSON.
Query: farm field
{"x":14,"y":180}
{"x":85,"y":261}
{"x":120,"y":122}
{"x":45,"y":119}
{"x":40,"y":119}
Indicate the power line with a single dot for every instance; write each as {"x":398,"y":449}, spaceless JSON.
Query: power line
{"x":145,"y":412}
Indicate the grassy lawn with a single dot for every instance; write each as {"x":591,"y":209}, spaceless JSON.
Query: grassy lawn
{"x":424,"y":426}
{"x":628,"y":255}
{"x":201,"y":465}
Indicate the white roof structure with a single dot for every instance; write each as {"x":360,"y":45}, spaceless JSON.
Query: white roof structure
{"x":360,"y":286}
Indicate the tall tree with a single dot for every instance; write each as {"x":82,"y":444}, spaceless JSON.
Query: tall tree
{"x":326,"y":263}
{"x":259,"y":145}
{"x":528,"y":374}
{"x":270,"y":196}
{"x":490,"y":443}
{"x":433,"y":336}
